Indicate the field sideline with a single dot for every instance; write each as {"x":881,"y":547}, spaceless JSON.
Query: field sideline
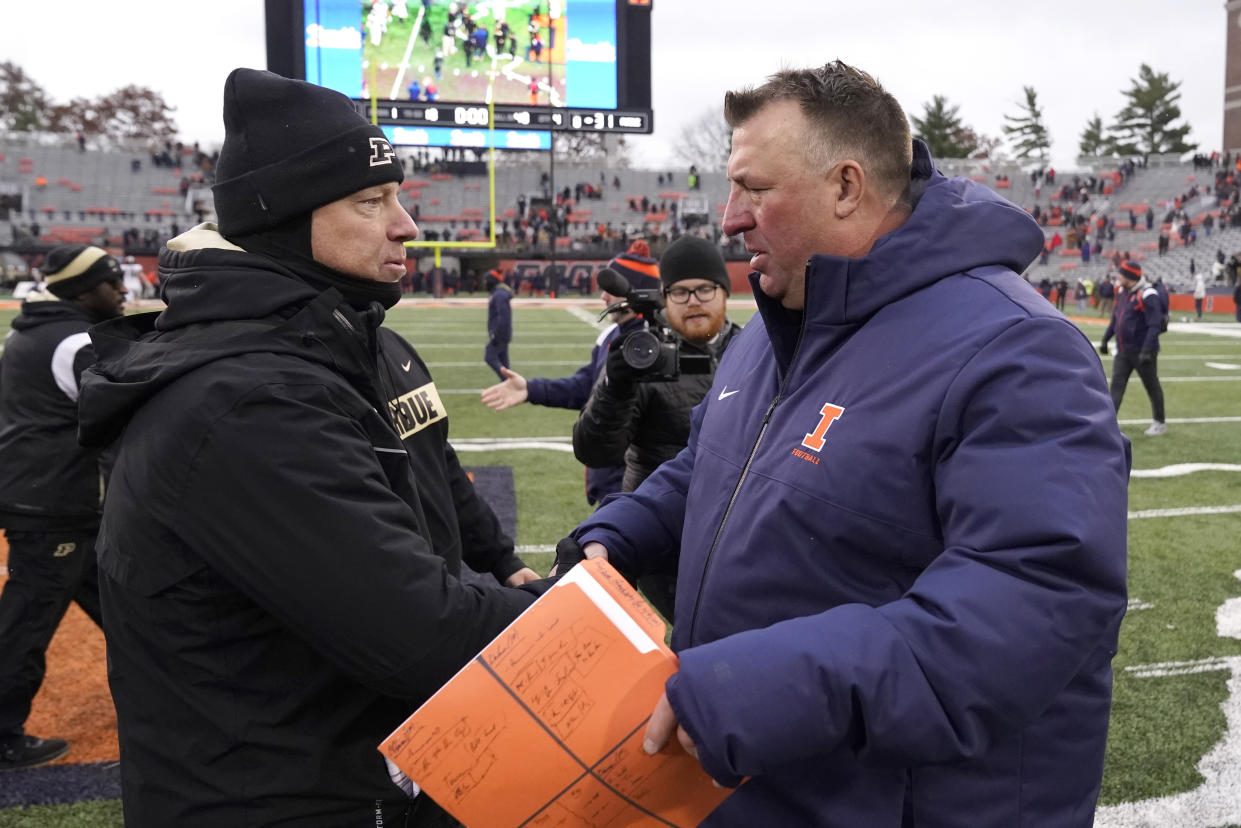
{"x":1174,"y":753}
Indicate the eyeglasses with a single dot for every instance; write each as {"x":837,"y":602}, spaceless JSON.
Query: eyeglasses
{"x":680,"y":295}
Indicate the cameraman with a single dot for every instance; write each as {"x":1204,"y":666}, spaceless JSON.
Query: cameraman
{"x":634,"y":417}
{"x":639,"y":270}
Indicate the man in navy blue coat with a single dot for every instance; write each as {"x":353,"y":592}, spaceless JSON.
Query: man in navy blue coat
{"x":874,"y":626}
{"x":499,"y":324}
{"x":1138,"y":318}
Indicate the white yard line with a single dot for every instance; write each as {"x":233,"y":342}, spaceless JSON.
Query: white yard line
{"x":1200,"y":379}
{"x":1187,"y":511}
{"x":513,"y":446}
{"x":1184,"y":420}
{"x":409,"y":50}
{"x":1182,"y":469}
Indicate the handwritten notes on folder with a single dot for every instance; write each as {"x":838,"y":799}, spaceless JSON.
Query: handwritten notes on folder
{"x":544,"y":727}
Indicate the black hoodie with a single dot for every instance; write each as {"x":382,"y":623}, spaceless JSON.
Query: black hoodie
{"x":272,"y":603}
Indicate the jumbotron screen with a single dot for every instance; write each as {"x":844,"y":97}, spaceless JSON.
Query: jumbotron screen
{"x":433,"y":66}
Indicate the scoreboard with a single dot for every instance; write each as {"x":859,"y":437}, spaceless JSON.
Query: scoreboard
{"x":430,"y":71}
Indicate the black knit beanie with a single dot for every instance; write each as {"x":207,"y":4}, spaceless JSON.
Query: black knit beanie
{"x":70,"y":270}
{"x":289,"y":147}
{"x":691,"y":257}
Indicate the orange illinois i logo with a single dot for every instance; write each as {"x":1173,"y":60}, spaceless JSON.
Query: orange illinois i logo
{"x":817,"y":438}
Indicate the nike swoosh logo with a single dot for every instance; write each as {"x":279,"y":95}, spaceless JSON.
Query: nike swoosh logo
{"x":405,"y":366}
{"x":727,"y":393}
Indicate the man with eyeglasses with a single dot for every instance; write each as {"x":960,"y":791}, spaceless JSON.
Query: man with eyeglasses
{"x":50,"y":487}
{"x":646,"y":423}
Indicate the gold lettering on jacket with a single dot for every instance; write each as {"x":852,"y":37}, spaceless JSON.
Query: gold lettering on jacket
{"x":418,"y":409}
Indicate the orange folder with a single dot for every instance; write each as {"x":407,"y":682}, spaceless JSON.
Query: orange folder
{"x":544,"y":727}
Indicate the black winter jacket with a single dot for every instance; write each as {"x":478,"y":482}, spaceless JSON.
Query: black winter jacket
{"x":646,"y":423}
{"x":462,"y":526}
{"x":274,"y":602}
{"x":46,"y":479}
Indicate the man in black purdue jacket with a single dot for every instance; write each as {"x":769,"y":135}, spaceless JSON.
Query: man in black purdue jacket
{"x":279,"y":558}
{"x":50,"y":487}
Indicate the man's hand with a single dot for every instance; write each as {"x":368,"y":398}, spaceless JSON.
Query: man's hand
{"x":619,"y":372}
{"x":513,"y":391}
{"x":1146,"y":357}
{"x":522,"y":576}
{"x":568,"y":553}
{"x":660,"y":727}
{"x":1102,"y":350}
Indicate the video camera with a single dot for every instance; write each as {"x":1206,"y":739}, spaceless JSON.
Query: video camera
{"x":656,"y":351}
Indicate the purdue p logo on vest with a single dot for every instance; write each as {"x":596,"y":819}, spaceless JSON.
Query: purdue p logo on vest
{"x":381,"y":152}
{"x":63,"y":549}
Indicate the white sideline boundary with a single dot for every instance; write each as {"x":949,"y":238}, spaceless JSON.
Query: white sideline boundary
{"x":1217,"y":801}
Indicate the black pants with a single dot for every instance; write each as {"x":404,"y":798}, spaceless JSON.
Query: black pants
{"x":495,"y":355}
{"x":47,"y":570}
{"x":1124,"y":364}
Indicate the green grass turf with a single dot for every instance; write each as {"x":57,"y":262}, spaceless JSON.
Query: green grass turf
{"x":1181,"y":566}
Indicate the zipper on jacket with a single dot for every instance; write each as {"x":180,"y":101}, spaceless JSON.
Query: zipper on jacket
{"x":745,"y":470}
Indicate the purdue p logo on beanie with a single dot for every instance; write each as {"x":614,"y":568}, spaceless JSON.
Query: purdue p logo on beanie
{"x":289,"y":147}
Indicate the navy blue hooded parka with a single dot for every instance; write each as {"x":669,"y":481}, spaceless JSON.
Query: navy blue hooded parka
{"x":885,"y":614}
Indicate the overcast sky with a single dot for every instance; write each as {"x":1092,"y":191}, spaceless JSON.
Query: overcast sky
{"x":978,"y":53}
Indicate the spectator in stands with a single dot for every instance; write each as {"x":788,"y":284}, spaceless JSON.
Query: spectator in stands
{"x":499,"y":322}
{"x":1140,"y":316}
{"x":641,"y":423}
{"x":50,"y":487}
{"x":872,"y":623}
{"x":641,"y":272}
{"x":279,"y":591}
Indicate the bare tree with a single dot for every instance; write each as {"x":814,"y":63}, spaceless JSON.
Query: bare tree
{"x":705,"y":142}
{"x":136,"y":112}
{"x":595,"y":147}
{"x":23,"y":103}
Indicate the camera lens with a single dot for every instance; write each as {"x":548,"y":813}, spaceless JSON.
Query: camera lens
{"x":640,"y":350}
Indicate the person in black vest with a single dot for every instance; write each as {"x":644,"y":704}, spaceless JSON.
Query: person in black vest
{"x":50,"y":487}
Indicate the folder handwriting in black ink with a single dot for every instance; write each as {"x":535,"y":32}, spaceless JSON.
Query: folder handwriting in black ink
{"x":544,"y":727}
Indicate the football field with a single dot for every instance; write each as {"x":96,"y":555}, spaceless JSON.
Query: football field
{"x":1174,"y":752}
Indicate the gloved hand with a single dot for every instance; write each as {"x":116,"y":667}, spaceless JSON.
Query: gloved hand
{"x":568,"y":554}
{"x":1146,"y":357}
{"x":620,"y":372}
{"x":1103,"y":347}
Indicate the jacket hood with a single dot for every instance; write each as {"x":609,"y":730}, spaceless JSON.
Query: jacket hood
{"x":205,"y":281}
{"x":956,"y":225}
{"x":41,"y":308}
